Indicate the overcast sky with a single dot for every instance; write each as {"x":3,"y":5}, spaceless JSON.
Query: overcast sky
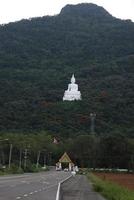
{"x":14,"y":10}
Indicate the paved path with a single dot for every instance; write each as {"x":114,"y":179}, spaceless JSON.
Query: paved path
{"x":79,"y":188}
{"x":38,"y":186}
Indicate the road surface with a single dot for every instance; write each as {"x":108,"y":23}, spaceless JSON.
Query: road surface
{"x":39,"y":186}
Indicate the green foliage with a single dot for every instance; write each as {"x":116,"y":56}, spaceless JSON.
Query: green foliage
{"x":38,"y":57}
{"x":38,"y":150}
{"x":110,"y":190}
{"x":14,"y":169}
{"x":32,"y":168}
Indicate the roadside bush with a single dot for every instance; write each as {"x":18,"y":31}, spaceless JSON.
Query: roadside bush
{"x":32,"y":168}
{"x":14,"y":169}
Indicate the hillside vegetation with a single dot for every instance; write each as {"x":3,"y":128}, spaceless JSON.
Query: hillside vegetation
{"x":38,"y":57}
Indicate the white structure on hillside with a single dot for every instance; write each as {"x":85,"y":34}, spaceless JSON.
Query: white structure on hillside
{"x":72,"y":92}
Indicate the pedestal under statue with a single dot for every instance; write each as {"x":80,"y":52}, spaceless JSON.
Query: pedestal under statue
{"x":72,"y":92}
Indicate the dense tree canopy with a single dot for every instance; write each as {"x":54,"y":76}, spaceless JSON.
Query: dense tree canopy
{"x":114,"y":151}
{"x":38,"y":57}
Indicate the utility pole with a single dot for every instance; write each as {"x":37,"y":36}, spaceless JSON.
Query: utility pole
{"x":38,"y":158}
{"x":2,"y":159}
{"x":10,"y":156}
{"x":44,"y":158}
{"x":92,"y":127}
{"x":50,"y":158}
{"x":20,"y":159}
{"x":132,"y":162}
{"x":25,"y":158}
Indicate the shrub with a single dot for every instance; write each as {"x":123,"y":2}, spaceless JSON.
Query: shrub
{"x":14,"y":169}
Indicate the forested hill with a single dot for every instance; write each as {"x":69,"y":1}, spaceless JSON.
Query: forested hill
{"x":38,"y":57}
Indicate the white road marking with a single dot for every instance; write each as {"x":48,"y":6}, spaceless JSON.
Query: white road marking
{"x":25,"y":195}
{"x":13,"y":177}
{"x":23,"y":181}
{"x":31,"y":193}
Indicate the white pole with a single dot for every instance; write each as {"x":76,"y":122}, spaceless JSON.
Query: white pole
{"x":25,"y":158}
{"x":20,"y":158}
{"x":38,"y":158}
{"x":10,"y":156}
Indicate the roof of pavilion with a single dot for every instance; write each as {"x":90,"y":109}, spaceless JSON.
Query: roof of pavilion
{"x":65,"y":158}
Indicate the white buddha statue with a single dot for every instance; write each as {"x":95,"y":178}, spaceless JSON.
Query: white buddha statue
{"x":72,"y":92}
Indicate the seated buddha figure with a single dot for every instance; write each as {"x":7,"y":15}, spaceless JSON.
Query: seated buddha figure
{"x":72,"y":92}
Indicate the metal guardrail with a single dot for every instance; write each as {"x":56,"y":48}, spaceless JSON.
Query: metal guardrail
{"x":58,"y":195}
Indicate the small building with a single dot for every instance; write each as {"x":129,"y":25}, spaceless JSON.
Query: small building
{"x":65,"y":163}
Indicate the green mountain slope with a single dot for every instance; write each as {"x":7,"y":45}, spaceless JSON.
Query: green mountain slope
{"x":38,"y":57}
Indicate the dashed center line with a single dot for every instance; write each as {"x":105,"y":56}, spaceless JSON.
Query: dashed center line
{"x":31,"y":193}
{"x":25,"y":195}
{"x":18,"y":197}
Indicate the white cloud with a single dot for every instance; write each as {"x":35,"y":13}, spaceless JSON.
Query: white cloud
{"x":12,"y":10}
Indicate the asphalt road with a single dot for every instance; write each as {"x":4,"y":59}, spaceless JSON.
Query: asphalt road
{"x":79,"y":188}
{"x":39,"y":186}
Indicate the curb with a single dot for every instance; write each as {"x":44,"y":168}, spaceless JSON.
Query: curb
{"x":59,"y":187}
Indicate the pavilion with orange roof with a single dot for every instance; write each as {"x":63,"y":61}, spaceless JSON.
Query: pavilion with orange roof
{"x":65,"y":162}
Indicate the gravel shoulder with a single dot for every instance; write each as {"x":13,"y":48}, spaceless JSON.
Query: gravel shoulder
{"x":79,"y":188}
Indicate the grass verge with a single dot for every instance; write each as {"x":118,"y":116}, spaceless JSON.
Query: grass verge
{"x":14,"y":169}
{"x":109,"y":190}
